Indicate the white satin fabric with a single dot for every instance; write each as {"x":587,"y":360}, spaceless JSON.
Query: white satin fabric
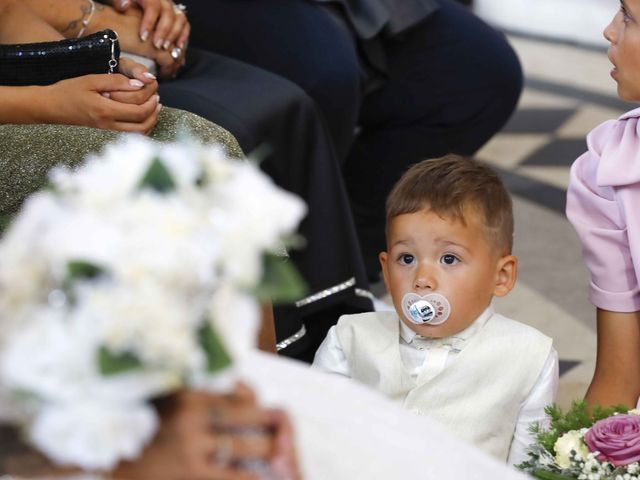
{"x":346,"y":431}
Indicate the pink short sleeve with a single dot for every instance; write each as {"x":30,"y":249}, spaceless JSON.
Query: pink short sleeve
{"x":594,"y":209}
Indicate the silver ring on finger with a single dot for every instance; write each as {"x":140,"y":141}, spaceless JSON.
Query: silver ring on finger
{"x":175,"y":53}
{"x":180,"y":8}
{"x":224,"y":450}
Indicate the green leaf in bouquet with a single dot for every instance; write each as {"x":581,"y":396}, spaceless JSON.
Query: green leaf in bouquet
{"x":113,"y":364}
{"x":217,"y":356}
{"x":547,"y":475}
{"x":158,"y":177}
{"x":580,"y":415}
{"x":281,"y":282}
{"x":82,"y":270}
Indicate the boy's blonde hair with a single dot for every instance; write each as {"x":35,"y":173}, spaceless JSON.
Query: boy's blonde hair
{"x":450,"y":186}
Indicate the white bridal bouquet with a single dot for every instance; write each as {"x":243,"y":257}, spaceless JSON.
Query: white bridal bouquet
{"x":602,"y":444}
{"x":136,"y":275}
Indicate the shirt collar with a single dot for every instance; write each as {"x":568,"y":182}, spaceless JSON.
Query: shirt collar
{"x":455,"y":341}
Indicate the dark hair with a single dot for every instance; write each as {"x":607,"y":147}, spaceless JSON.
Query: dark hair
{"x":451,"y":185}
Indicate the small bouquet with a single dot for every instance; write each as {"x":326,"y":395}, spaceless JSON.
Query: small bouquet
{"x":603,"y":444}
{"x":139,"y":274}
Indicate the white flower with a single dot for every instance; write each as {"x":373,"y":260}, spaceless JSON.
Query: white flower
{"x":570,"y":441}
{"x":168,"y":240}
{"x":92,"y":434}
{"x":110,"y":179}
{"x":248,"y":227}
{"x":149,"y":321}
{"x":53,"y":357}
{"x":25,"y":277}
{"x":236,"y":318}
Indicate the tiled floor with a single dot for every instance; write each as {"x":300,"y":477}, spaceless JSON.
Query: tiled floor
{"x":568,"y":92}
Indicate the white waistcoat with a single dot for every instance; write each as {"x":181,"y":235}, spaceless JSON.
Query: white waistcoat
{"x":477,"y":396}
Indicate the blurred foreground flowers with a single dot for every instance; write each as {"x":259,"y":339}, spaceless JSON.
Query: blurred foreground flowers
{"x":136,"y":275}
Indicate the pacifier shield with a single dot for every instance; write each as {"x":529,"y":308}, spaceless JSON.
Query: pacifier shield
{"x":431,"y":309}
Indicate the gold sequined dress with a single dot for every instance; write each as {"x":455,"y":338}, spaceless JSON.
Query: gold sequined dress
{"x":28,"y":152}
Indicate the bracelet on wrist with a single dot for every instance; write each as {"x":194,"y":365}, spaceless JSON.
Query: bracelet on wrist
{"x":85,"y":21}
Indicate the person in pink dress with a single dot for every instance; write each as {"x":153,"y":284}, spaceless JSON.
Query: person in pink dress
{"x":603,"y":204}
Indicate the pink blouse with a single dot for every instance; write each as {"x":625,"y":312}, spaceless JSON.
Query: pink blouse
{"x":603,"y":204}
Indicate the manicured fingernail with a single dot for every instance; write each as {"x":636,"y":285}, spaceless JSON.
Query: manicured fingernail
{"x":156,"y":98}
{"x":181,"y":44}
{"x":124,"y":4}
{"x":159,"y":107}
{"x":158,"y":43}
{"x":106,"y":94}
{"x":136,"y":83}
{"x":149,"y":75}
{"x":144,"y":35}
{"x":166,"y":44}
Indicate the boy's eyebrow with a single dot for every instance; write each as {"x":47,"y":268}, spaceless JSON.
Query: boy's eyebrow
{"x":450,"y":242}
{"x":443,"y":242}
{"x":402,"y":242}
{"x":626,"y":8}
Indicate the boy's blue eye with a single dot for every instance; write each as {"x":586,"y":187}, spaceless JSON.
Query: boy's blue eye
{"x":449,"y":259}
{"x":406,"y":258}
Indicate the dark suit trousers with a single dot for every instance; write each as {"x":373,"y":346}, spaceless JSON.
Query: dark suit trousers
{"x":452,"y":83}
{"x":260,"y":108}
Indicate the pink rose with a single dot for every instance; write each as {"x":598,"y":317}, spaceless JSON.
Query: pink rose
{"x":617,"y":438}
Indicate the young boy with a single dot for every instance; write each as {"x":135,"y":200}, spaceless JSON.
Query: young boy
{"x":444,"y":353}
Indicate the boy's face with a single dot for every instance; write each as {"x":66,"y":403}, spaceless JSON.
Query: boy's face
{"x":623,"y":34}
{"x":430,"y":254}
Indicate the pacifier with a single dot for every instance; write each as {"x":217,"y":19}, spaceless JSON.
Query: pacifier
{"x":432,"y":309}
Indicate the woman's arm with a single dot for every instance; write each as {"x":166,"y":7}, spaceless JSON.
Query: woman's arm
{"x":617,"y":375}
{"x":66,"y":17}
{"x":14,"y":16}
{"x":79,"y":101}
{"x":132,"y":105}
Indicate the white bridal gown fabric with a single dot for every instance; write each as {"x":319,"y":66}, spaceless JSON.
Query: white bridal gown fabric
{"x":346,"y":431}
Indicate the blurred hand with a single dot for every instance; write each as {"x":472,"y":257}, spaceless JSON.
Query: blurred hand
{"x":219,"y":437}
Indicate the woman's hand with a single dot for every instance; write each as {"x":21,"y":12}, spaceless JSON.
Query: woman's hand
{"x":112,"y":102}
{"x":127,"y":25}
{"x":222,"y":437}
{"x":136,"y":71}
{"x":163,"y":18}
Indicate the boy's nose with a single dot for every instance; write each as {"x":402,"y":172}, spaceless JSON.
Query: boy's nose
{"x":424,"y":279}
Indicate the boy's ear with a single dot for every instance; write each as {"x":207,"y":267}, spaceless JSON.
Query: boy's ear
{"x":506,"y":274}
{"x":382,"y":256}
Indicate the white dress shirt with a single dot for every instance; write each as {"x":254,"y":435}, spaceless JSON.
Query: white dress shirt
{"x":426,"y":357}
